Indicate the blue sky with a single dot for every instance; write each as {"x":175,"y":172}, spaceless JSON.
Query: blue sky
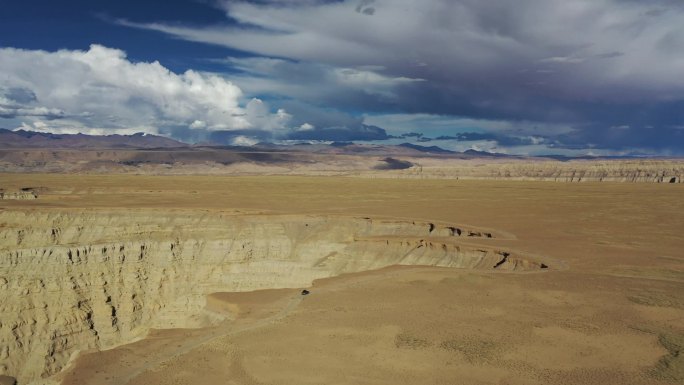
{"x":525,"y":77}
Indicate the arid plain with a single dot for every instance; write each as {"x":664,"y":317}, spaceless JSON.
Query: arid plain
{"x":456,"y":282}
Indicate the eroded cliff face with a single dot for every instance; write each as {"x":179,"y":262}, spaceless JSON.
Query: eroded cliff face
{"x":95,"y":280}
{"x":632,"y":171}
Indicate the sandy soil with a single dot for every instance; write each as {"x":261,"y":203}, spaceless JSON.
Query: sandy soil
{"x":615,"y":315}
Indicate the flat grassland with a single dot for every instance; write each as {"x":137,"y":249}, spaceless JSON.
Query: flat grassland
{"x":613,"y":314}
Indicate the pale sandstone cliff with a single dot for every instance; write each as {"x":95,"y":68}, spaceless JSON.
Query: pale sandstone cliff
{"x":95,"y":280}
{"x":635,"y":171}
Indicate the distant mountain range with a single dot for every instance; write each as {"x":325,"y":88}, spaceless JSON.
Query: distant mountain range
{"x":22,"y":139}
{"x":30,"y":139}
{"x":428,"y":149}
{"x":38,"y":140}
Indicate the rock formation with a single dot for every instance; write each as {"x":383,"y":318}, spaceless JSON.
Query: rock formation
{"x":73,"y":281}
{"x":634,"y":171}
{"x":23,"y":194}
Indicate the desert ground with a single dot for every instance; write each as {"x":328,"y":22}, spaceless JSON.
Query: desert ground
{"x":367,"y":161}
{"x":590,"y":289}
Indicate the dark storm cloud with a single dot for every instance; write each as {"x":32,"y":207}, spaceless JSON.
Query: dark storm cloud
{"x":575,"y":62}
{"x":412,"y":135}
{"x":319,"y":117}
{"x":18,"y":95}
{"x":319,"y":84}
{"x":665,"y":139}
{"x":365,"y":7}
{"x":17,"y":102}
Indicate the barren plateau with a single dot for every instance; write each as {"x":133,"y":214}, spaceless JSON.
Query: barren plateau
{"x":356,"y":160}
{"x":135,"y":279}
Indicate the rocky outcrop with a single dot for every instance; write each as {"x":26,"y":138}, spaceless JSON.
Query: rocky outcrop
{"x":22,"y":194}
{"x":634,"y":171}
{"x":95,"y":280}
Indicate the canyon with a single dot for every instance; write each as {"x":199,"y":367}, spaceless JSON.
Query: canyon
{"x":91,"y":280}
{"x":134,"y":279}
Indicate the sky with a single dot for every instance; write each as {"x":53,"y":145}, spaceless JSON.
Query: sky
{"x":529,"y":77}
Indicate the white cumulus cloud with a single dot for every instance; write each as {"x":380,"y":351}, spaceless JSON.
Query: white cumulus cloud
{"x":101,"y":90}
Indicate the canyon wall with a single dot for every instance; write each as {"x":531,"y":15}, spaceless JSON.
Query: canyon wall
{"x":94,"y":280}
{"x":634,"y":171}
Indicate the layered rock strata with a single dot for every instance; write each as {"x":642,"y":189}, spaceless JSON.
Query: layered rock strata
{"x":95,"y":280}
{"x":633,"y":171}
